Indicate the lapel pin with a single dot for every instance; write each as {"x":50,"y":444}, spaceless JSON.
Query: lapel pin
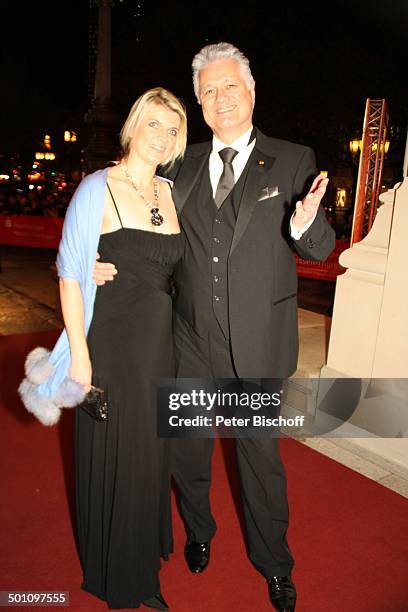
{"x":261,"y":162}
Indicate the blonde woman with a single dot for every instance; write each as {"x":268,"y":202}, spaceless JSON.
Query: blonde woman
{"x":119,"y":338}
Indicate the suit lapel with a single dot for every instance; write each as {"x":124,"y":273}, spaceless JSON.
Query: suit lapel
{"x":260,"y":163}
{"x":188,"y":176}
{"x":257,"y":178}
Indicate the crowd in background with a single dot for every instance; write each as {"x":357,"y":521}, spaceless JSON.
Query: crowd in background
{"x":343,"y":227}
{"x":34,"y":203}
{"x":44,"y":204}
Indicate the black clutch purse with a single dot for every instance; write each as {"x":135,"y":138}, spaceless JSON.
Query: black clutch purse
{"x":95,"y":404}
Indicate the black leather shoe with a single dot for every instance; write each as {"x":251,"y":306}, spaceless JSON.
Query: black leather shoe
{"x":197,"y":555}
{"x":157,"y":602}
{"x":282,"y":593}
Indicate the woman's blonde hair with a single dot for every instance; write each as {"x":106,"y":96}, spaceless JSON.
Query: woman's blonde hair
{"x":158,"y":95}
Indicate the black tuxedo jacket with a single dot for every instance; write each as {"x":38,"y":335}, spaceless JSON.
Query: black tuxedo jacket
{"x":262,"y":279}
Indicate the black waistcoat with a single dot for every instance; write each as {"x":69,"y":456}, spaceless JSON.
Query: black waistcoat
{"x":202,"y":275}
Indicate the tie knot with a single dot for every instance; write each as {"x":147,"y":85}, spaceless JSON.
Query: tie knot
{"x":227,"y":154}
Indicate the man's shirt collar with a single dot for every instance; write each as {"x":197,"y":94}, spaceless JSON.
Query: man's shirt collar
{"x":240,"y":144}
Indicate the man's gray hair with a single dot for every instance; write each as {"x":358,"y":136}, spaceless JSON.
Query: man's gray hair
{"x":219,"y":51}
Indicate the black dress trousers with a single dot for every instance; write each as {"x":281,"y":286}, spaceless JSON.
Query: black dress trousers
{"x":261,"y":472}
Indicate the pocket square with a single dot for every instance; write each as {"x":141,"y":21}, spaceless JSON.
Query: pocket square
{"x":269,"y":192}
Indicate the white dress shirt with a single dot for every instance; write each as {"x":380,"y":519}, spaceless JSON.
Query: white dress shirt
{"x":216,"y":167}
{"x":239,"y":162}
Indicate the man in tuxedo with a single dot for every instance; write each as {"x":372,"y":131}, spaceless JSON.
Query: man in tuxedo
{"x":245,"y":202}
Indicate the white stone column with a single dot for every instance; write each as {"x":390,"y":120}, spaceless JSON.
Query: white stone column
{"x":358,"y":299}
{"x":369,"y":334}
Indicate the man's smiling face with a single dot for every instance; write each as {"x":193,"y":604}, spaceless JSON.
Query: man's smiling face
{"x":226,"y":98}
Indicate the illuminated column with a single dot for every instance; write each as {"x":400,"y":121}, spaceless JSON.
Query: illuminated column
{"x":369,"y":334}
{"x":101,"y":116}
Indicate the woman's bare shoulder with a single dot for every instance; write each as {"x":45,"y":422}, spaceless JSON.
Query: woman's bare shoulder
{"x":115,"y":171}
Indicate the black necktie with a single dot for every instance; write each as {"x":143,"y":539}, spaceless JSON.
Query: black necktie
{"x":227,"y":181}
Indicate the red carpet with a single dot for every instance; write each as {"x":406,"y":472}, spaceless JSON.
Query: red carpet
{"x":349,"y":535}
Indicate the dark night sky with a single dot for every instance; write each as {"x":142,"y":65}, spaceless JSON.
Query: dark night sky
{"x":315,"y":63}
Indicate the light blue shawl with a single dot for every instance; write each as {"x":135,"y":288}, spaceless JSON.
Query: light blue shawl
{"x":76,"y":259}
{"x":47,"y":387}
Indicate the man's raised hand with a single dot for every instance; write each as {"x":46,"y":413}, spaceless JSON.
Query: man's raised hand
{"x":307,"y":208}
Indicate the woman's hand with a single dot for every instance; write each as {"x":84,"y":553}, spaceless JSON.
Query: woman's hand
{"x":81,"y":370}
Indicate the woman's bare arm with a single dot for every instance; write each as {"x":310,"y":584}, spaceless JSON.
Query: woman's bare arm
{"x":73,"y":312}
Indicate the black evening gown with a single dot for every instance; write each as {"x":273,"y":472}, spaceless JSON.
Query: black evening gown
{"x":122,"y":467}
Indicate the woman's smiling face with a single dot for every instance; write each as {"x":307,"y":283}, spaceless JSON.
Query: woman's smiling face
{"x":155,"y":136}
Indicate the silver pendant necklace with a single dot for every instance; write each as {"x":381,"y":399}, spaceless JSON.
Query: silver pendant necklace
{"x":156,"y":218}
